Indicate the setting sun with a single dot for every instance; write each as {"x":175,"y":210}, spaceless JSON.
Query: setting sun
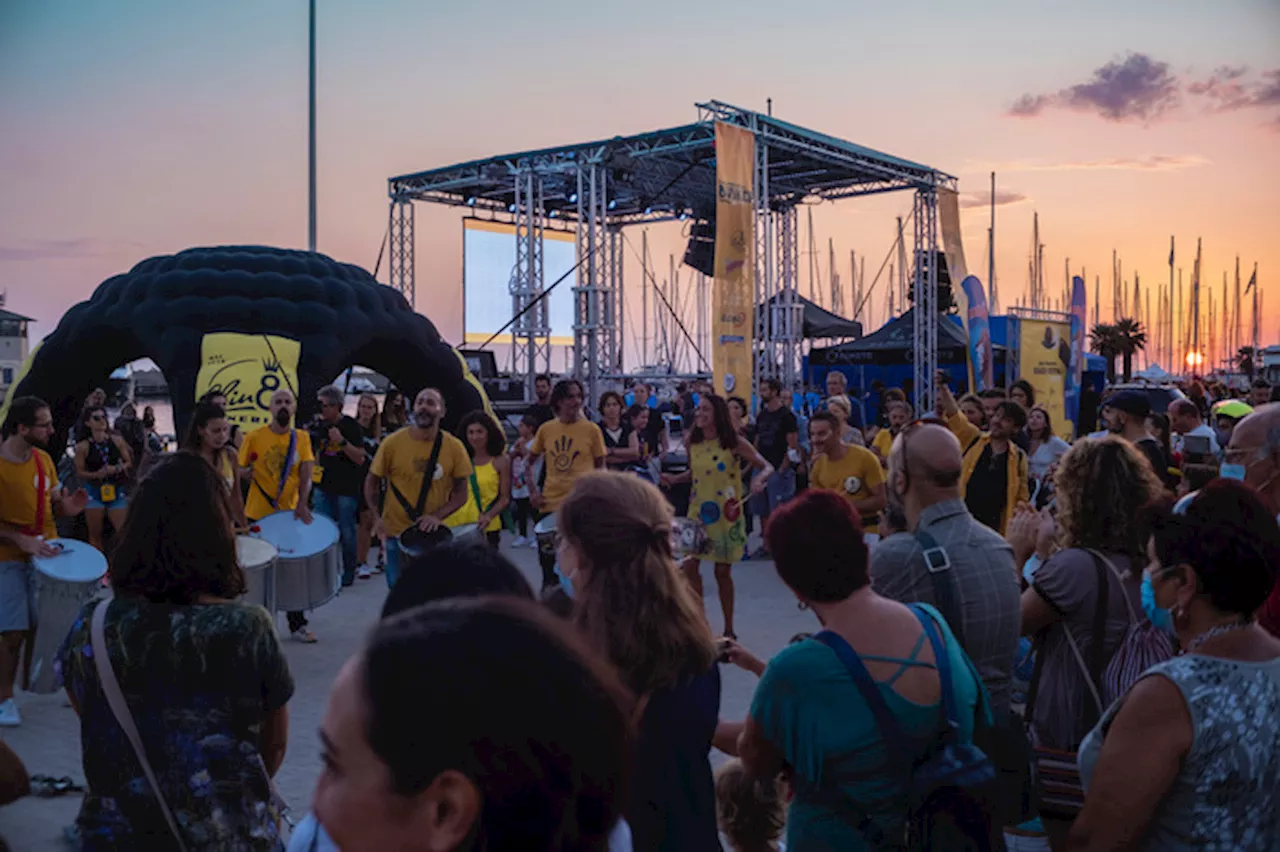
{"x":1195,"y":359}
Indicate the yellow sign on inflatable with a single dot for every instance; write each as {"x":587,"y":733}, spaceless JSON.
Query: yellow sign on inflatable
{"x":1044,"y":354}
{"x":248,"y":369}
{"x":733,"y":320}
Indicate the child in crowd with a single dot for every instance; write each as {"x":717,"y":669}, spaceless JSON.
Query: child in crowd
{"x":751,"y":813}
{"x":519,"y":479}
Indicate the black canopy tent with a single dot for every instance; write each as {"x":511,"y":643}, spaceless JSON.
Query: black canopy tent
{"x":818,"y":323}
{"x":894,"y":344}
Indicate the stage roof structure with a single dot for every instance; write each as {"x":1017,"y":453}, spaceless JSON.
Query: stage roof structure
{"x":603,"y":186}
{"x":660,"y":175}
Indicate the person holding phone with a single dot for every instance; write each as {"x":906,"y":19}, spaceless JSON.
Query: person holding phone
{"x":1186,"y":423}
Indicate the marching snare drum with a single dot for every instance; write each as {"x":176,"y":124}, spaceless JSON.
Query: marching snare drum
{"x":63,"y":584}
{"x":257,"y":558}
{"x":309,"y":565}
{"x":688,"y":538}
{"x":548,"y":538}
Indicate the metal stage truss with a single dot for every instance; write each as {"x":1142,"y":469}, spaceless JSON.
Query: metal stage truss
{"x":602,"y":187}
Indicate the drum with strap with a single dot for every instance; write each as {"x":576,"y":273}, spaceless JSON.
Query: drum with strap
{"x":309,"y":565}
{"x":257,"y":558}
{"x":64,"y":583}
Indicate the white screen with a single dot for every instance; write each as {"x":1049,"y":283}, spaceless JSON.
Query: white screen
{"x":489,"y":257}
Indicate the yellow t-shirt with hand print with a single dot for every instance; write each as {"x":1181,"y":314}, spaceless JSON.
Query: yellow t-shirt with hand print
{"x":571,"y":449}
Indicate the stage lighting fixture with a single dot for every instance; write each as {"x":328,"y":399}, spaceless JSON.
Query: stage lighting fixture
{"x":684,"y":214}
{"x":471,"y":201}
{"x":511,"y":208}
{"x":613,"y":203}
{"x":701,"y":251}
{"x":554,"y":213}
{"x":648,"y":210}
{"x":573,"y":198}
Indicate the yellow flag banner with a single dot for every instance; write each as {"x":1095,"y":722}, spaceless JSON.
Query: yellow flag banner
{"x":957,"y":269}
{"x":733,"y":320}
{"x":1044,"y":356}
{"x":247,"y":369}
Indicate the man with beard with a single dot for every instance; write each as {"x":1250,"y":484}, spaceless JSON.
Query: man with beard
{"x":852,"y":472}
{"x":542,"y":410}
{"x":419,"y":493}
{"x":993,"y":478}
{"x":29,"y":497}
{"x":279,"y":460}
{"x":1125,"y":414}
{"x":1253,"y":457}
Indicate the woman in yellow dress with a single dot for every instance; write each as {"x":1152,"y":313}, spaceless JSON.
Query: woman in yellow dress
{"x":716,"y":500}
{"x":490,"y":485}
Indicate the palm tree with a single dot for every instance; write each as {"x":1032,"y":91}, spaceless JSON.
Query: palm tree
{"x":1131,"y":339}
{"x":1106,"y":342}
{"x":1246,"y":358}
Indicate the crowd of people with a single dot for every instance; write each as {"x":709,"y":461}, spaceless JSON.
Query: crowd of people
{"x":1018,"y":639}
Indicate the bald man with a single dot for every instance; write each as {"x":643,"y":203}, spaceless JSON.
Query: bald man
{"x":1253,"y":456}
{"x":973,"y":581}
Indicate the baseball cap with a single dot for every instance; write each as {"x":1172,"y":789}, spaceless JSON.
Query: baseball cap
{"x":1130,"y":402}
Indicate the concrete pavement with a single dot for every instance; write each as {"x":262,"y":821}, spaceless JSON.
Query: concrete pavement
{"x":48,"y":741}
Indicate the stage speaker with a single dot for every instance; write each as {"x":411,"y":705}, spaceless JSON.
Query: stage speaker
{"x":701,"y":251}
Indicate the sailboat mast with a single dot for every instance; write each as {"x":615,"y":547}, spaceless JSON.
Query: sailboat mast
{"x":991,"y":251}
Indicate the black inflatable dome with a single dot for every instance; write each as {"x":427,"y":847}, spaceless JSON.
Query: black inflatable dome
{"x":162,"y":308}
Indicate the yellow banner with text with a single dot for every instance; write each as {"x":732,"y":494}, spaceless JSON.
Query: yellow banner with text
{"x":1044,"y":355}
{"x":733,"y":319}
{"x":247,"y":369}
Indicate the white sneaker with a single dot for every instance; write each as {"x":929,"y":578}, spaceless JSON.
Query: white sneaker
{"x":364,"y":572}
{"x":9,"y":715}
{"x":519,"y":541}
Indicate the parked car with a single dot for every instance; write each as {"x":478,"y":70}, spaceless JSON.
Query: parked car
{"x":1160,"y":396}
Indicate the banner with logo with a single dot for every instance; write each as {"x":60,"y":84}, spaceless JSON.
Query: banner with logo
{"x":1044,"y":360}
{"x":247,"y":369}
{"x":734,"y":297}
{"x":971,"y":299}
{"x":1075,"y":376}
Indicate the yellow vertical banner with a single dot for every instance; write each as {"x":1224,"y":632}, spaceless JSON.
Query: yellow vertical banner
{"x":733,"y":319}
{"x":1044,"y":356}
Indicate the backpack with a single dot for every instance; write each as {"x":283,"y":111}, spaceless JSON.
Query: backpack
{"x":951,"y":789}
{"x":1143,"y":645}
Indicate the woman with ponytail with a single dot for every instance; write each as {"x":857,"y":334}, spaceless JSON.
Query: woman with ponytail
{"x":632,"y":604}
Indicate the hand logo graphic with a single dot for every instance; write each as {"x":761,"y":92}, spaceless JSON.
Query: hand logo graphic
{"x":563,"y":454}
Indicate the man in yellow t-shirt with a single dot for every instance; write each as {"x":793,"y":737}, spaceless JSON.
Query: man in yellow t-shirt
{"x":573,"y":446}
{"x":402,"y":461}
{"x":850,"y":471}
{"x":265,"y":455}
{"x":29,"y":496}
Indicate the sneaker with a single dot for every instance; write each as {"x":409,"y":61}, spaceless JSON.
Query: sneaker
{"x":9,"y":715}
{"x":304,"y":636}
{"x":519,"y":541}
{"x":364,"y":572}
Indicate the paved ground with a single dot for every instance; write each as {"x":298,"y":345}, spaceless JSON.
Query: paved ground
{"x":49,"y":739}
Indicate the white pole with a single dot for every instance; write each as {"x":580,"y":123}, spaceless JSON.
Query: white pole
{"x":311,"y":135}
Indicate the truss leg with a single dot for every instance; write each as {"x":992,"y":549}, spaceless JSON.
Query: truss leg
{"x":789,"y":316}
{"x":766,"y":358}
{"x":593,"y":321}
{"x":400,"y":267}
{"x":530,"y":346}
{"x":924,"y":289}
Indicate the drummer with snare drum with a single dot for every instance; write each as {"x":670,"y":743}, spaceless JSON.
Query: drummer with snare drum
{"x":427,"y":471}
{"x":279,"y":460}
{"x":29,"y":496}
{"x":573,"y":446}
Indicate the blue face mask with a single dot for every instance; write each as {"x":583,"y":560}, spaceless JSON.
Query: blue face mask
{"x":1160,"y":618}
{"x":566,"y":584}
{"x":1232,"y":471}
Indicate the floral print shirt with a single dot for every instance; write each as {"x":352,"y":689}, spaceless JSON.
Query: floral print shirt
{"x":199,"y":680}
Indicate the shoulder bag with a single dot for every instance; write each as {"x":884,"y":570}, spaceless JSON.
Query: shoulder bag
{"x":120,"y":709}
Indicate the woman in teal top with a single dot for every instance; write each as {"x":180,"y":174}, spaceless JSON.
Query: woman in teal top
{"x":807,"y":716}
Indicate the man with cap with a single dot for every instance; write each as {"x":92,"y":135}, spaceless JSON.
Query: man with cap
{"x":1125,"y":414}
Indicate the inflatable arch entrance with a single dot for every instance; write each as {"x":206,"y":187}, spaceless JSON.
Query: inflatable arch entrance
{"x":245,"y":320}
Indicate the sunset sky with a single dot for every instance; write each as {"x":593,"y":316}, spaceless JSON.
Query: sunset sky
{"x":142,"y":127}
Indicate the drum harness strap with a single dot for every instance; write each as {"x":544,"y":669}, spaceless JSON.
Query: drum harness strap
{"x":42,"y":490}
{"x":415,"y":512}
{"x":284,"y":474}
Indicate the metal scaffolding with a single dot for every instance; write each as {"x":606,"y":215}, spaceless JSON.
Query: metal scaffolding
{"x":925,"y":292}
{"x":660,"y":176}
{"x":400,"y":234}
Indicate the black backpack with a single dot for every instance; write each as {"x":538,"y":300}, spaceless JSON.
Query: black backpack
{"x":951,"y":789}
